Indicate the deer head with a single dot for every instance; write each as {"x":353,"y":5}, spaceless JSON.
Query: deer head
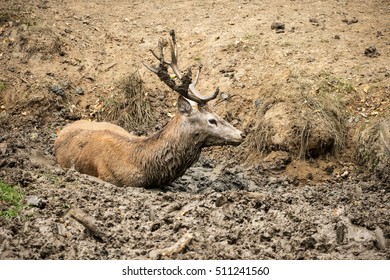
{"x":206,"y":126}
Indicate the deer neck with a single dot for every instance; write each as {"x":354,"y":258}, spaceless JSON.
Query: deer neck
{"x":167,"y":154}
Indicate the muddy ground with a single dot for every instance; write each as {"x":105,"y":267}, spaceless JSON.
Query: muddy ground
{"x":59,"y":61}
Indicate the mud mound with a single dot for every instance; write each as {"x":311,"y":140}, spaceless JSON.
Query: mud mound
{"x":306,"y":124}
{"x":38,"y":41}
{"x":27,"y":38}
{"x":373,"y":146}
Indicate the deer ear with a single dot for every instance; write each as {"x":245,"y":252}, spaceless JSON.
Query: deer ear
{"x":184,"y":106}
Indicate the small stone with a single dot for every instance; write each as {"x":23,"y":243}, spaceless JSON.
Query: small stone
{"x":278,"y":27}
{"x":350,"y":21}
{"x":265,"y":237}
{"x":57,"y":89}
{"x":310,"y":59}
{"x":258,"y":103}
{"x":371,"y":52}
{"x":221,"y":201}
{"x":345,"y":174}
{"x":273,"y":180}
{"x":276,"y":160}
{"x":380,"y":239}
{"x":36,"y":201}
{"x":308,"y":243}
{"x":225,"y":96}
{"x":79,"y":91}
{"x":314,"y":21}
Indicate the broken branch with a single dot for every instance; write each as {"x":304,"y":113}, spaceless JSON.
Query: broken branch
{"x":176,"y":248}
{"x":87,"y":221}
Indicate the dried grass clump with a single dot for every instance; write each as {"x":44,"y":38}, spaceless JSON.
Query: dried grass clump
{"x":373,"y":146}
{"x":305,"y":123}
{"x":128,"y":106}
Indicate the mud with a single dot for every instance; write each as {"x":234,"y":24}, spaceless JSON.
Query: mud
{"x":234,"y":203}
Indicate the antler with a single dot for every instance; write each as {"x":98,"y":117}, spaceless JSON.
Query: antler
{"x":187,"y":87}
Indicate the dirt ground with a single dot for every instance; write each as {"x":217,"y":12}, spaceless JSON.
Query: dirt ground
{"x":59,"y":61}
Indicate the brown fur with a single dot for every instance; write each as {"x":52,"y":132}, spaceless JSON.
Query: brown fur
{"x":109,"y":152}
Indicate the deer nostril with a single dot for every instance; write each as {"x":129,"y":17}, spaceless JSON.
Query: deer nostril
{"x":243,"y":135}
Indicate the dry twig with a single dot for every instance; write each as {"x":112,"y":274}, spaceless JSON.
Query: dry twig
{"x":176,"y":248}
{"x":87,"y":221}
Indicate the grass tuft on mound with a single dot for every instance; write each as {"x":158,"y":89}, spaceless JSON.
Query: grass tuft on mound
{"x":307,"y":122}
{"x":373,"y":145}
{"x":128,"y":106}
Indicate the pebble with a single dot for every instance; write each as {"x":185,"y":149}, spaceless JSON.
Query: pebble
{"x":371,"y":52}
{"x":314,"y":21}
{"x":350,"y":21}
{"x":57,"y":89}
{"x":79,"y":91}
{"x":225,"y":96}
{"x":258,"y":103}
{"x":35,"y":201}
{"x":278,"y":27}
{"x":380,"y":239}
{"x":221,"y":200}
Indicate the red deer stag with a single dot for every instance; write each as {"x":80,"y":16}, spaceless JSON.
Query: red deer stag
{"x":112,"y":154}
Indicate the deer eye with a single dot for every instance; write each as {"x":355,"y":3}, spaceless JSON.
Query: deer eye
{"x":213,"y":121}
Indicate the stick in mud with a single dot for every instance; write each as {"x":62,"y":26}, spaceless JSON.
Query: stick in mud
{"x":176,"y":248}
{"x":88,"y":222}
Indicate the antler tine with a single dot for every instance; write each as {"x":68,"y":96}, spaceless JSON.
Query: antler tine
{"x":161,"y":44}
{"x":195,"y":94}
{"x":197,"y":74}
{"x":152,"y":69}
{"x":154,"y":54}
{"x":173,"y":37}
{"x":174,"y":55}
